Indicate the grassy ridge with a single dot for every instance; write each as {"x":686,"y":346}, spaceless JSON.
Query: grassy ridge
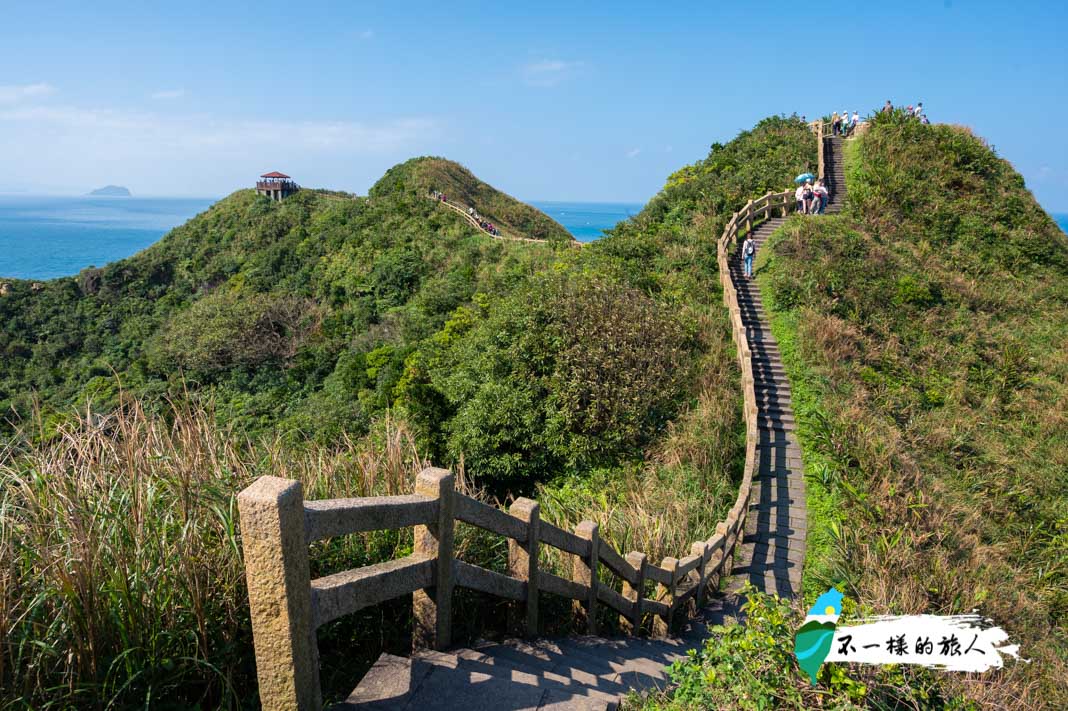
{"x":931,"y":331}
{"x":419,"y":176}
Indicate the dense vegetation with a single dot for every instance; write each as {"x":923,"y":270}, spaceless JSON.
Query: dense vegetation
{"x":751,"y":667}
{"x":346,"y":342}
{"x":297,"y":316}
{"x":925,"y":332}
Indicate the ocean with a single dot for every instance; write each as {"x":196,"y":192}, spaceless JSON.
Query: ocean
{"x":48,"y":237}
{"x":588,"y":220}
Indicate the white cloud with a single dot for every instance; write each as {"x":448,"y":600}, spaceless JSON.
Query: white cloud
{"x":166,"y":94}
{"x":176,"y":153}
{"x":548,"y":72}
{"x":13,"y":94}
{"x":633,"y":152}
{"x":199,"y":130}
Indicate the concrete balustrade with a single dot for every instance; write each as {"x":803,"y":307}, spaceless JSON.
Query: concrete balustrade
{"x":287,"y":606}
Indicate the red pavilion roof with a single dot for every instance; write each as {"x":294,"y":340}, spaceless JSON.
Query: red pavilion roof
{"x":275,"y":174}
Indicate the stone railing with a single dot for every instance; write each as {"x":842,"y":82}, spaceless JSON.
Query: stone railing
{"x":287,"y":606}
{"x":823,"y":131}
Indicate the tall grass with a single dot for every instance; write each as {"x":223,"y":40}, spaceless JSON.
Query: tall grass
{"x":121,"y":578}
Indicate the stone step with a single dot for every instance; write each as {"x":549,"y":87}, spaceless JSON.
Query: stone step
{"x":768,"y":398}
{"x":768,"y":376}
{"x":772,"y":402}
{"x":775,"y":411}
{"x":397,"y":684}
{"x":474,"y":660}
{"x":775,"y":425}
{"x":777,"y":414}
{"x":564,"y":658}
{"x":762,"y":352}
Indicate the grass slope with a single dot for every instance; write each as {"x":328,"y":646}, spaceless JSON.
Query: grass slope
{"x":928,"y":333}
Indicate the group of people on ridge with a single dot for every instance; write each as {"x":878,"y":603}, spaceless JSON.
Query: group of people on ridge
{"x":842,"y":125}
{"x":911,"y":111}
{"x":484,"y":224}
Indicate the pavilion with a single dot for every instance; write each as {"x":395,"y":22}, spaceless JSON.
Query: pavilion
{"x":276,"y":186}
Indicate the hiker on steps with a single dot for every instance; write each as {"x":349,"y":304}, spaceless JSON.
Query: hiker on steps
{"x":748,"y":252}
{"x":820,"y":197}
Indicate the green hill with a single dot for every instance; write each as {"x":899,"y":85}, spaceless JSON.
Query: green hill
{"x":418,"y":176}
{"x":260,"y":303}
{"x":925,"y":332}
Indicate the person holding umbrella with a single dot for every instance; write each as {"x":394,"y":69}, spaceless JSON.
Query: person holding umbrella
{"x":803,"y":194}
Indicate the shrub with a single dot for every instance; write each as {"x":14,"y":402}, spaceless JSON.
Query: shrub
{"x":571,"y":372}
{"x":229,"y":329}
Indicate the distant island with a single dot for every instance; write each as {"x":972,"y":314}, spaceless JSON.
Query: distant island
{"x":111,"y":191}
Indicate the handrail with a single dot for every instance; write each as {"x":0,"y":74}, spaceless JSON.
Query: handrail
{"x":287,"y":606}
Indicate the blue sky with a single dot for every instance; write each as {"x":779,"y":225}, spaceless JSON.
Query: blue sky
{"x":565,"y":101}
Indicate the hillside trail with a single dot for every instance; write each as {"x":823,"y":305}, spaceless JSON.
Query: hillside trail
{"x":590,"y":672}
{"x":462,"y":211}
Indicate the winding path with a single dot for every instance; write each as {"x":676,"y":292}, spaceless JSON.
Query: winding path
{"x":462,"y":211}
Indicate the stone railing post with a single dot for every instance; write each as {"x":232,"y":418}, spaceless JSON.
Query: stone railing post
{"x":724,"y":563}
{"x":819,"y":150}
{"x":584,"y":571}
{"x":432,"y":607}
{"x":523,"y":560}
{"x":635,"y":593}
{"x":279,"y":594}
{"x":666,"y":594}
{"x":700,"y":549}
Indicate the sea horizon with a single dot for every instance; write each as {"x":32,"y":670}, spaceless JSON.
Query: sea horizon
{"x":48,"y":236}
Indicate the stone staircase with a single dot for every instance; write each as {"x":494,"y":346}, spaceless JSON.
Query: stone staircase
{"x":585,"y":673}
{"x":834,"y":173}
{"x":772,"y":553}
